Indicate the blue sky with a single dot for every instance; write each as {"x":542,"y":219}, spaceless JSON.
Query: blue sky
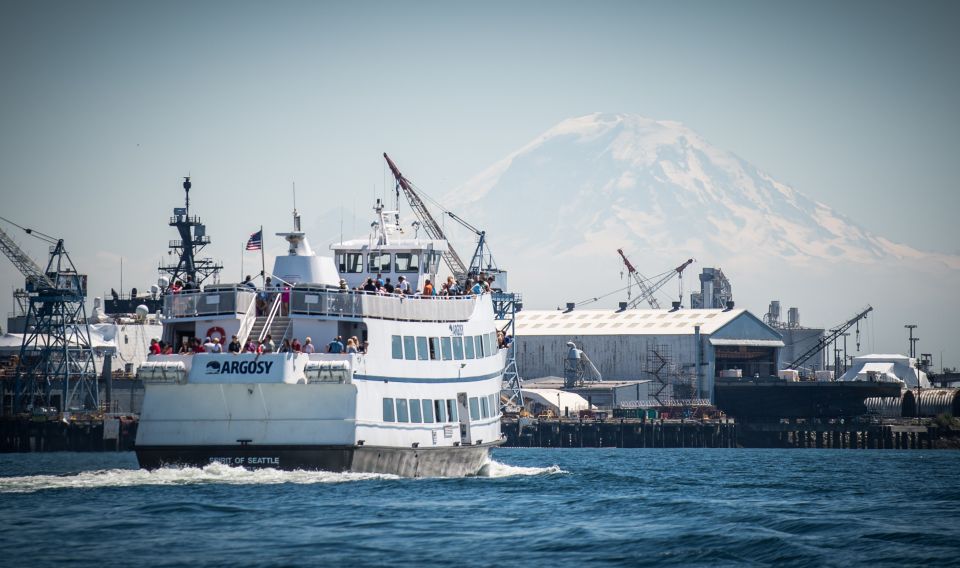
{"x":105,"y":105}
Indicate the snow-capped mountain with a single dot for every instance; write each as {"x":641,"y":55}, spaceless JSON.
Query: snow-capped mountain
{"x":610,"y":180}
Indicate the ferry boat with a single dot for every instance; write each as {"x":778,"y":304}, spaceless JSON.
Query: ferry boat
{"x":422,"y":399}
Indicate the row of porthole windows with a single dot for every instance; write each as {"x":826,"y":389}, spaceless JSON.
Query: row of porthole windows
{"x":446,"y":348}
{"x":427,"y":411}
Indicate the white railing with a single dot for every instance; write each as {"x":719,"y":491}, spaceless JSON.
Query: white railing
{"x":357,"y":304}
{"x":249,"y":318}
{"x":271,"y":315}
{"x":215,"y":302}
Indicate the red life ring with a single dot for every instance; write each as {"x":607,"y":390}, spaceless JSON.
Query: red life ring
{"x":218,"y":331}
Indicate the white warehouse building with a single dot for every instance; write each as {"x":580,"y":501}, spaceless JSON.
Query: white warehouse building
{"x":688,"y":348}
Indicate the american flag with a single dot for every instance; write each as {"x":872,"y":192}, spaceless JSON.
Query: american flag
{"x":256,"y":241}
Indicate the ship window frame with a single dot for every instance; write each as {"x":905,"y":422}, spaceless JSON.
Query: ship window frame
{"x":412,"y":256}
{"x":403,"y":416}
{"x":494,"y":344}
{"x":375,"y":267}
{"x":422,"y":351}
{"x":415,"y":407}
{"x":494,"y":407}
{"x":396,"y":342}
{"x":468,"y":347}
{"x":440,"y":409}
{"x":452,"y":414}
{"x":484,"y":407}
{"x":481,"y":350}
{"x":426,"y":405}
{"x":409,"y":348}
{"x":389,"y":415}
{"x":457,"y":342}
{"x":434,"y":348}
{"x":446,"y":348}
{"x":474,"y":403}
{"x":345,"y":266}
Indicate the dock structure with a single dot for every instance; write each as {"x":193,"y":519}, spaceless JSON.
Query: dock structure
{"x":728,"y":433}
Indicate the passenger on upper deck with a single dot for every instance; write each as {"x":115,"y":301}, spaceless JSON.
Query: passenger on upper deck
{"x":428,"y":288}
{"x":234,"y":346}
{"x":154,"y":347}
{"x":308,"y":346}
{"x":403,"y":285}
{"x":248,"y":282}
{"x":335,"y":346}
{"x":295,"y":345}
{"x":370,"y":286}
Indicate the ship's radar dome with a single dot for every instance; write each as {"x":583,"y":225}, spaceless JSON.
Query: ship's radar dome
{"x":142,"y":312}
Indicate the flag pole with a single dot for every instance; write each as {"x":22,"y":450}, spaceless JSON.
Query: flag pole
{"x":263,"y":263}
{"x":243,"y":249}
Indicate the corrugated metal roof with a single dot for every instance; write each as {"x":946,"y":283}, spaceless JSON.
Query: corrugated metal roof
{"x":748,"y":342}
{"x":625,"y":322}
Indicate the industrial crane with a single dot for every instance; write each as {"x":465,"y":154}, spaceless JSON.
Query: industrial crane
{"x":647,"y":289}
{"x":56,"y":340}
{"x":827,"y":339}
{"x":430,"y":224}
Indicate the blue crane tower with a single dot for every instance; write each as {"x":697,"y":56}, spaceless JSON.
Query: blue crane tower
{"x":56,"y":348}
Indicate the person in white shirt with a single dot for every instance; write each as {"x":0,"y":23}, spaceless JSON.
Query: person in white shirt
{"x":216,"y":347}
{"x":208,"y":345}
{"x":308,"y":346}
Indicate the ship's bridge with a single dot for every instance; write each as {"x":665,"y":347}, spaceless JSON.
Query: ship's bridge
{"x":388,"y":252}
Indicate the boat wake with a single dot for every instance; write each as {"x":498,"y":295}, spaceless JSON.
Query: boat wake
{"x":495,"y":469}
{"x":212,"y":474}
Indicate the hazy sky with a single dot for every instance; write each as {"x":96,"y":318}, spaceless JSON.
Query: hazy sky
{"x":104,"y":106}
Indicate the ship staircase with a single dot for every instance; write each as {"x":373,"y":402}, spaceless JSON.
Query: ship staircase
{"x":505,"y":308}
{"x":274,"y":324}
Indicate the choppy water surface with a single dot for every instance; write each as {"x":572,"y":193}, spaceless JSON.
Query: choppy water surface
{"x":531,"y":506}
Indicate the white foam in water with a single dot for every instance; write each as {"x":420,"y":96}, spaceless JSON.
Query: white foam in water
{"x":213,"y":473}
{"x":493,"y":468}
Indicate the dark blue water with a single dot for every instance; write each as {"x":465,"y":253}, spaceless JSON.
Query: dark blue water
{"x":566,"y":507}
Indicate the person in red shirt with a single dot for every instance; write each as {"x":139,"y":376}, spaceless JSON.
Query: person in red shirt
{"x":154,"y":347}
{"x":295,"y":345}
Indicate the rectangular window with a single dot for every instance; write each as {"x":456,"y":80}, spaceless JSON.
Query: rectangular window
{"x":422,"y":353}
{"x":468,"y":346}
{"x":458,"y":348}
{"x":350,"y":262}
{"x":434,"y":348}
{"x":409,"y":348}
{"x":474,"y":409}
{"x":440,"y":406}
{"x":388,"y":415}
{"x":397,"y":347}
{"x":446,"y":349}
{"x":452,"y":409}
{"x":494,"y":346}
{"x":484,"y":407}
{"x":407,"y":262}
{"x":494,"y":405}
{"x":402,"y":414}
{"x":427,"y":410}
{"x":481,"y":352}
{"x":379,"y":262}
{"x":415,"y":410}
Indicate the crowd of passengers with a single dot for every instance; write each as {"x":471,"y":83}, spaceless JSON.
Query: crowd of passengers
{"x":192,"y":346}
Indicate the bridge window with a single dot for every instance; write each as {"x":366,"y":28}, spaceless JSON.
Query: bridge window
{"x":468,"y":344}
{"x":474,"y":408}
{"x":379,"y":262}
{"x":458,"y":348}
{"x":388,"y":415}
{"x":407,"y":262}
{"x":422,"y":352}
{"x":494,"y":407}
{"x":350,"y":262}
{"x":481,"y":352}
{"x":434,"y":348}
{"x":402,"y":413}
{"x":427,"y":410}
{"x":440,"y":406}
{"x":484,"y":407}
{"x":397,"y":347}
{"x":409,"y":348}
{"x":452,"y":409}
{"x":415,"y":410}
{"x":445,"y":348}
